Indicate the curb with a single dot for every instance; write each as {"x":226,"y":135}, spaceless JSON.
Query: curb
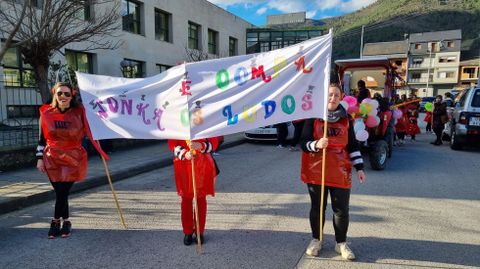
{"x":95,"y":181}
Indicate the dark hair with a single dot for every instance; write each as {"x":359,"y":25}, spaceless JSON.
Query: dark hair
{"x":361,"y":84}
{"x":439,"y":96}
{"x":448,"y":94}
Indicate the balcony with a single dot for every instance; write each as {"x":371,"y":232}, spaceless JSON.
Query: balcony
{"x":419,"y":66}
{"x":419,"y":80}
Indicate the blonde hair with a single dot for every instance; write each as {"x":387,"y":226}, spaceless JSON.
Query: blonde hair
{"x":55,"y":87}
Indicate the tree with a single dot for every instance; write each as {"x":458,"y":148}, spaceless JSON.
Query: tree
{"x":9,"y":26}
{"x":56,"y":23}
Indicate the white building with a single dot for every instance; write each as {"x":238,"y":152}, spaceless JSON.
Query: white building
{"x":155,"y":35}
{"x":433,"y":61}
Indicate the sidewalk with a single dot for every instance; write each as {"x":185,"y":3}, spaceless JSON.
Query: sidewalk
{"x":26,"y":187}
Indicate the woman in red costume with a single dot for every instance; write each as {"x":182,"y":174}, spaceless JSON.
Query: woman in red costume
{"x":412,"y":115}
{"x":205,"y":173}
{"x":60,"y":153}
{"x":342,"y":152}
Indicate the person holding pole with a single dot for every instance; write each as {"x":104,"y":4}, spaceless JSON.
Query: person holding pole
{"x":330,"y":143}
{"x":197,"y":154}
{"x":60,"y":153}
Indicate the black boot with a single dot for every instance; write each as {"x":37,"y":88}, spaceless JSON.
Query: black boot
{"x":66,"y":229}
{"x":54,"y":229}
{"x":187,"y":240}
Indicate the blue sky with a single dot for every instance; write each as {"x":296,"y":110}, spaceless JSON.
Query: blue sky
{"x":256,"y":11}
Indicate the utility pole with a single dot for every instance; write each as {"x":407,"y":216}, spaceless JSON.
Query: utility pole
{"x":361,"y":42}
{"x":429,"y":47}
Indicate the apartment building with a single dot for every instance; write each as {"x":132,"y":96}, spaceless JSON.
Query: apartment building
{"x":155,"y":34}
{"x":433,"y":61}
{"x":469,"y":72}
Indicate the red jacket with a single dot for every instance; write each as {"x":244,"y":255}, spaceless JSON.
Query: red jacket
{"x":338,"y":170}
{"x":64,"y":157}
{"x":204,"y":167}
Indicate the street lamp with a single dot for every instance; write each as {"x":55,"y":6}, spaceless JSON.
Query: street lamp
{"x":127,"y":68}
{"x":429,"y":48}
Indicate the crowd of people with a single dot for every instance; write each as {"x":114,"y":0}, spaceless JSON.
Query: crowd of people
{"x":63,"y":159}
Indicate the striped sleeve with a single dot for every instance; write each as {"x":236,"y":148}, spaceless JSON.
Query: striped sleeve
{"x":307,"y":141}
{"x":179,"y":152}
{"x":354,"y":148}
{"x":206,"y":147}
{"x":310,"y":145}
{"x":41,"y":144}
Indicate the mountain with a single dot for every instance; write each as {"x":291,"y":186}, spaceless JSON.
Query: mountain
{"x":390,"y":20}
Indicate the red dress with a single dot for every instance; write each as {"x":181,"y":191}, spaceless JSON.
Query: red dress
{"x":412,"y":114}
{"x":401,"y":126}
{"x":205,"y":171}
{"x":64,"y":157}
{"x":338,"y":171}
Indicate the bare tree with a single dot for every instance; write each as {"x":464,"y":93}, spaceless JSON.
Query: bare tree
{"x":56,"y":23}
{"x":194,"y":55}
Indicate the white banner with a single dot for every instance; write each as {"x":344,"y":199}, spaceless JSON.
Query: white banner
{"x":214,"y":97}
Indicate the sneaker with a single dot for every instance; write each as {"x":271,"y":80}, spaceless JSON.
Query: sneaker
{"x":216,"y":154}
{"x":280,"y":147}
{"x":187,"y":240}
{"x":293,"y":149}
{"x":345,"y":251}
{"x":54,"y":229}
{"x":314,"y":247}
{"x":66,"y":229}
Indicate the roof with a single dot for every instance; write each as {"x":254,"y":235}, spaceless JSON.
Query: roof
{"x":475,"y":62}
{"x":386,"y":48}
{"x":435,"y":36}
{"x":371,"y":62}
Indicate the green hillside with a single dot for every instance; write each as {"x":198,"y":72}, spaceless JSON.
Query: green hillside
{"x":389,"y":20}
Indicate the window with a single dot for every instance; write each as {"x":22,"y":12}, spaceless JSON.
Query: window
{"x":212,"y":41}
{"x":450,"y":44}
{"x":79,"y":61}
{"x":433,"y":46}
{"x":232,"y":46}
{"x":449,"y":59}
{"x":398,"y":63}
{"x":161,"y":68}
{"x":132,"y":68}
{"x":22,"y":111}
{"x":416,"y":75}
{"x":418,"y":46}
{"x":83,"y":13}
{"x":476,"y":99}
{"x":162,"y":25}
{"x":193,"y":32}
{"x":446,"y":74}
{"x":16,"y":73}
{"x":470,"y":71}
{"x":131,"y":16}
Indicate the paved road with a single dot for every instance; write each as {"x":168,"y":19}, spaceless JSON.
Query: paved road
{"x":422,"y":212}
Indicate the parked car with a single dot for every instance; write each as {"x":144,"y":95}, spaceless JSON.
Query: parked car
{"x":465,"y":120}
{"x":268,"y":133}
{"x":424,"y":101}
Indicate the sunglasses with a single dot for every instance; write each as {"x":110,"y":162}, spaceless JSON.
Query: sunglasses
{"x":67,"y":94}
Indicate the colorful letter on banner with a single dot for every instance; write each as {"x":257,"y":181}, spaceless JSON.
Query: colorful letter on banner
{"x":212,"y":98}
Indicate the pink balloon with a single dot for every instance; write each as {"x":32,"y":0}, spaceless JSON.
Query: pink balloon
{"x":371,"y":122}
{"x":351,"y":101}
{"x":354,"y":109}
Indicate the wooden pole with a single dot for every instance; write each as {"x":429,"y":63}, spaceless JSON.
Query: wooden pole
{"x":119,"y":209}
{"x":322,"y":196}
{"x":195,"y":201}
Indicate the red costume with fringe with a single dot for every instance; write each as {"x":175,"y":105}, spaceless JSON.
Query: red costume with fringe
{"x":205,"y":173}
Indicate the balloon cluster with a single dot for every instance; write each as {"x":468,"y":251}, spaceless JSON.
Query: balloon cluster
{"x":365,"y":114}
{"x":429,"y":106}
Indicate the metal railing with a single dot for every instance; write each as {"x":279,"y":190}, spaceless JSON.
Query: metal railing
{"x":18,"y":116}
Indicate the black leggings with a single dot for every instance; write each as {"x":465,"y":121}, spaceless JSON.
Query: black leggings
{"x":438,"y":132}
{"x":340,"y":199}
{"x":62,"y":190}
